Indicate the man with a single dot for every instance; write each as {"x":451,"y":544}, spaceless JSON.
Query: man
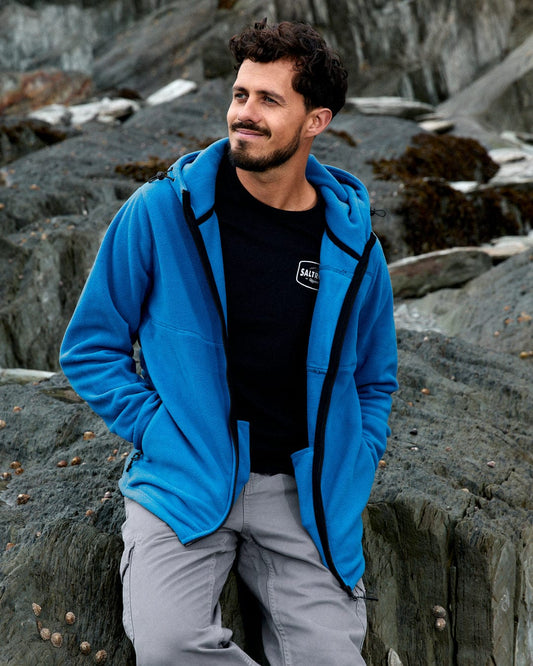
{"x":250,"y":277}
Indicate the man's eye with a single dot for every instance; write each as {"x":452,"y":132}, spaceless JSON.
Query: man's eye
{"x":270,"y":100}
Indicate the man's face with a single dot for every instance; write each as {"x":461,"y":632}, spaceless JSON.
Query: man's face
{"x":266,"y":116}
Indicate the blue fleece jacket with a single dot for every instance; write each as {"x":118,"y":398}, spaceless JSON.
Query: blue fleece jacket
{"x":158,"y":280}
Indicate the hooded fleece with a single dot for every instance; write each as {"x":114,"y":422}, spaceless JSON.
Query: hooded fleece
{"x":158,"y":280}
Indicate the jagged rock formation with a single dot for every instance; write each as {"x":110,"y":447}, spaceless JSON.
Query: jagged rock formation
{"x":425,"y":50}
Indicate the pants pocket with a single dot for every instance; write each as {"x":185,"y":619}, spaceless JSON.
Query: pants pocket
{"x":125,"y":578}
{"x":360,"y":611}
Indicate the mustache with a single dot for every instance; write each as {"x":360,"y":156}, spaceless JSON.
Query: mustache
{"x":249,"y":126}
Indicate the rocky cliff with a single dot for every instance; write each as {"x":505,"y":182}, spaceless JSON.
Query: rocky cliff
{"x":448,"y":533}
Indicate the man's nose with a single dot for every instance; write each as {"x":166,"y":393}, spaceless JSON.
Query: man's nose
{"x":249,"y":111}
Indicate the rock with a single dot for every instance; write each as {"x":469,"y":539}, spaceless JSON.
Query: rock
{"x":440,"y":515}
{"x":497,"y":96}
{"x":413,"y":277}
{"x":425,"y":51}
{"x":517,"y":174}
{"x":437,"y":125}
{"x":468,"y":550}
{"x":20,"y":136}
{"x":22,"y":376}
{"x":63,"y":35}
{"x":393,"y":49}
{"x":21,"y":92}
{"x":105,"y":110}
{"x":157,"y":49}
{"x":171,"y":91}
{"x":393,"y":659}
{"x":493,"y":311}
{"x":390,"y":106}
{"x":508,"y":246}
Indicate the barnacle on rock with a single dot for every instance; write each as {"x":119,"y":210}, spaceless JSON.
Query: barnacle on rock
{"x":438,"y":611}
{"x":56,"y":639}
{"x":23,"y":498}
{"x":70,"y":618}
{"x":440,"y":624}
{"x":36,"y":609}
{"x":45,"y":634}
{"x":76,"y":460}
{"x":85,"y":647}
{"x":100,"y":657}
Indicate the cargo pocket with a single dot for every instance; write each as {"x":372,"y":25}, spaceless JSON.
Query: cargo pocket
{"x":125,"y":579}
{"x":359,"y":602}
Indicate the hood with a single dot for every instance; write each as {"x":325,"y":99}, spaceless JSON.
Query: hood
{"x":346,"y":198}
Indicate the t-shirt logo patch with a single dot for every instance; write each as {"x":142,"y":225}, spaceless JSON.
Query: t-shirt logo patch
{"x":307,"y":274}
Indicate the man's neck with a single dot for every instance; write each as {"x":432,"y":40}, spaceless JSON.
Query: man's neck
{"x":279,"y":189}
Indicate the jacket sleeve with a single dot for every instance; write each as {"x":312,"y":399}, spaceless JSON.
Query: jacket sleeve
{"x":377,"y":355}
{"x":97,"y":350}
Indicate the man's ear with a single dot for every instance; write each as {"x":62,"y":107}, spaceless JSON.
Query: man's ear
{"x":318,"y":120}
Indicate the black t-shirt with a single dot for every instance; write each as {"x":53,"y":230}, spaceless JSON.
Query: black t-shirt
{"x":271,"y":269}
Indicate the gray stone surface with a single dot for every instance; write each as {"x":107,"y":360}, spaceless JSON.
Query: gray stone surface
{"x":448,"y":522}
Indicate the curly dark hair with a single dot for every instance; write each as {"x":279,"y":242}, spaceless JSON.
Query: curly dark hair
{"x":320,"y":75}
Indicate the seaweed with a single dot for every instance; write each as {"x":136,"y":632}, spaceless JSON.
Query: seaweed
{"x":437,"y":216}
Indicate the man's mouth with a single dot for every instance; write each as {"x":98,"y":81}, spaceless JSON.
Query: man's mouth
{"x":247,"y":128}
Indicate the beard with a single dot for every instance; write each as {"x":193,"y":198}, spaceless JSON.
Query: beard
{"x":240,"y":157}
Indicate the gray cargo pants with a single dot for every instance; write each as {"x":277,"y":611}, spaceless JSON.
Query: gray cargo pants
{"x":171,"y":591}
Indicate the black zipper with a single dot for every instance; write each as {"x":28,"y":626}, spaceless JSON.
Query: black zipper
{"x":324,"y":405}
{"x":193,"y":224}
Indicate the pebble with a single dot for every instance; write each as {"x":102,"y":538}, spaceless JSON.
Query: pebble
{"x":89,"y":434}
{"x":62,"y":463}
{"x":23,"y":498}
{"x":2,"y":424}
{"x":491,"y":463}
{"x":425,"y":391}
{"x":413,"y":431}
{"x":76,"y":460}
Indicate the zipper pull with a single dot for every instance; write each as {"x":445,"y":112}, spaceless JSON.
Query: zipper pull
{"x":133,"y":458}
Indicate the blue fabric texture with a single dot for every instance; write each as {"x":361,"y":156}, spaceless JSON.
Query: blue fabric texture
{"x":149,"y":285}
